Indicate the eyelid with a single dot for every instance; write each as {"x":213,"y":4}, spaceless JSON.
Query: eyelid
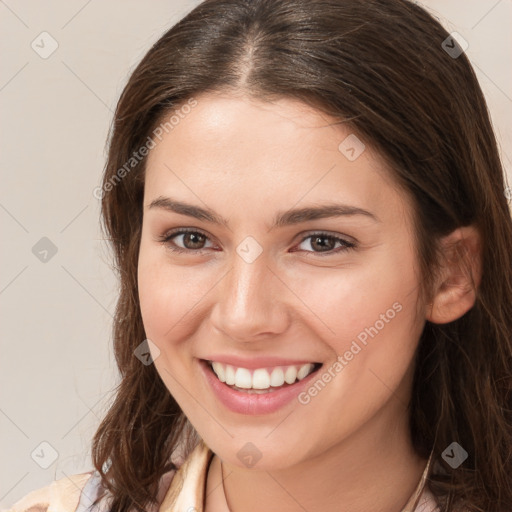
{"x":347,"y":244}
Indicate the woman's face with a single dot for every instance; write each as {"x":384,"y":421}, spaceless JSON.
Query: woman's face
{"x":300,"y":253}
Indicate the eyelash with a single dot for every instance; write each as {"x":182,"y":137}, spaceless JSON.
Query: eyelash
{"x":166,"y":240}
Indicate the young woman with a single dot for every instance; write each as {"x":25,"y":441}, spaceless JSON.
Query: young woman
{"x":313,"y":240}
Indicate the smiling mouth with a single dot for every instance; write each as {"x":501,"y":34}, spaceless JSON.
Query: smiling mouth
{"x":261,"y":380}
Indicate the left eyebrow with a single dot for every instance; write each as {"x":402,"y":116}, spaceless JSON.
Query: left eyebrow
{"x":283,"y":218}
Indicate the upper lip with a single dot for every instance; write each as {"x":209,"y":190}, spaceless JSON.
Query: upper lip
{"x":257,"y":361}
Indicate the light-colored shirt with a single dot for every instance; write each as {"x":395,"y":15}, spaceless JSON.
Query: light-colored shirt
{"x":180,"y":490}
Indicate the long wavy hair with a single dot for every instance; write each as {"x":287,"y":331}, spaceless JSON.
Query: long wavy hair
{"x":390,"y":72}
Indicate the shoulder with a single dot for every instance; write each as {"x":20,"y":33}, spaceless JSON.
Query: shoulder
{"x":68,"y":494}
{"x":85,"y":493}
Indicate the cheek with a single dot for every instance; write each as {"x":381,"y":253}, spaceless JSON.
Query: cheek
{"x":160,"y":292}
{"x":369,"y":311}
{"x":373,"y":330}
{"x":164,"y":305}
{"x":169,"y":295}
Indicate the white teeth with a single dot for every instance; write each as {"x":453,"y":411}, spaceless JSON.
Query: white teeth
{"x":304,"y":371}
{"x":277,"y":377}
{"x":219,"y":370}
{"x":243,"y":378}
{"x":260,"y":378}
{"x":230,"y":375}
{"x":290,"y":375}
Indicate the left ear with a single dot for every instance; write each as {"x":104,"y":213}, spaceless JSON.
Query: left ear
{"x":461,"y":272}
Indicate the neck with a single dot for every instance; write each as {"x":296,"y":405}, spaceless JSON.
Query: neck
{"x":373,"y":469}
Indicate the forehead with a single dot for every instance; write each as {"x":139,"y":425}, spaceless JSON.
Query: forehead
{"x":219,"y":121}
{"x":239,"y":150}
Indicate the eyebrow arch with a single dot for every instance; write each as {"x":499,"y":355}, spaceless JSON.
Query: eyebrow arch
{"x":283,"y":218}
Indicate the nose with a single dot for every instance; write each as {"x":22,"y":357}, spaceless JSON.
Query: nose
{"x":249,"y":303}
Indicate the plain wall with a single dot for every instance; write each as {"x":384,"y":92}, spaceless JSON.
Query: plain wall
{"x":57,"y":367}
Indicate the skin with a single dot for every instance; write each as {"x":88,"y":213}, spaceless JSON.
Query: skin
{"x":349,"y":448}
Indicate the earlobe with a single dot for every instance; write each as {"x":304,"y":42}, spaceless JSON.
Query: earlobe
{"x":460,"y":276}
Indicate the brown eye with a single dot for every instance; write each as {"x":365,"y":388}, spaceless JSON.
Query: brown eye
{"x":190,"y":241}
{"x":319,"y":242}
{"x":326,"y":243}
{"x":323,"y":244}
{"x":193,"y":240}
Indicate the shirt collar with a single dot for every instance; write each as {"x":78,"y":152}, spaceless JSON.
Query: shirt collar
{"x":187,"y":489}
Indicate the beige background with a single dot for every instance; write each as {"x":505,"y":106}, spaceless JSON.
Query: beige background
{"x":57,"y":368}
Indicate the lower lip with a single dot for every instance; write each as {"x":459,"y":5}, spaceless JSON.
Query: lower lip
{"x":253,"y":403}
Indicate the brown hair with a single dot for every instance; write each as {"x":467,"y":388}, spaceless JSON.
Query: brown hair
{"x":381,"y":67}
